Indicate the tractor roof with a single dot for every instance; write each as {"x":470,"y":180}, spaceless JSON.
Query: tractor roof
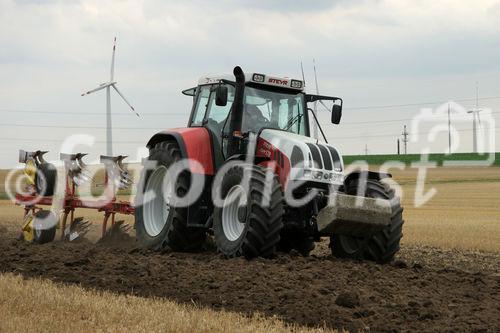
{"x":283,"y":82}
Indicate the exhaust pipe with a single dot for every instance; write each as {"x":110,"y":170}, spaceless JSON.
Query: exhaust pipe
{"x":237,"y":112}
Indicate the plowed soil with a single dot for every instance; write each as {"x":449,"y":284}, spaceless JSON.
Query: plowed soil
{"x":425,"y":289}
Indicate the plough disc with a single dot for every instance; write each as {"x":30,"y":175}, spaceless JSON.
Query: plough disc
{"x":77,"y":230}
{"x":116,"y":171}
{"x":117,"y":232}
{"x":76,"y":168}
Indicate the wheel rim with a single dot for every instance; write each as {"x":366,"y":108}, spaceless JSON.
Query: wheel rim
{"x":231,"y":212}
{"x":156,"y":207}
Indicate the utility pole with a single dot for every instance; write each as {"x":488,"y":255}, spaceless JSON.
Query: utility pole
{"x":366,"y":149}
{"x":398,"y":147}
{"x":405,"y":139}
{"x":449,"y":130}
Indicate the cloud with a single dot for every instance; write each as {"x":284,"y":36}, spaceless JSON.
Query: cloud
{"x":52,"y":50}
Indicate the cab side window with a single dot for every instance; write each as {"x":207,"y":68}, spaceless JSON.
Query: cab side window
{"x":201,"y":106}
{"x":216,"y":115}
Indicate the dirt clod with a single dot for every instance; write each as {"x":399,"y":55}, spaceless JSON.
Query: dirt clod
{"x":347,"y":299}
{"x":400,"y":264}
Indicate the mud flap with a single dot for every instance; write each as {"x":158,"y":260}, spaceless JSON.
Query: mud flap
{"x":353,"y":215}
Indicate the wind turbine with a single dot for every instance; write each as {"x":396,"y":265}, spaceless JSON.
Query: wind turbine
{"x":476,"y":118}
{"x":108,"y":85}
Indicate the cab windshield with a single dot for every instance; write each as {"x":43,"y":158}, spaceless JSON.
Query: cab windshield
{"x":271,"y":109}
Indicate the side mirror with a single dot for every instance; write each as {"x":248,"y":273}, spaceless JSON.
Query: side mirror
{"x":221,"y":95}
{"x":336,"y":113}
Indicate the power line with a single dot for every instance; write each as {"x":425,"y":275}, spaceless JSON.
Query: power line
{"x":389,"y":135}
{"x":61,"y":140}
{"x":158,"y":128}
{"x":142,"y":142}
{"x":91,"y":113}
{"x":417,"y":104}
{"x":82,"y":127}
{"x":390,"y":120}
{"x":186,"y":113}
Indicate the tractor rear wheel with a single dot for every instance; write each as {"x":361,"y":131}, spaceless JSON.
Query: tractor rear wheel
{"x":383,"y":245}
{"x":250,"y":220}
{"x":159,"y":222}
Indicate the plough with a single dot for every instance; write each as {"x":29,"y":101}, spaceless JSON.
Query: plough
{"x":40,"y":225}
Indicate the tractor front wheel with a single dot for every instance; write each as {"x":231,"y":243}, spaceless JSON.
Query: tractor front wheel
{"x":383,"y":245}
{"x":250,"y":220}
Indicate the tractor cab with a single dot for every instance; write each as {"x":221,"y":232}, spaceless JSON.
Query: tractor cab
{"x":233,"y":106}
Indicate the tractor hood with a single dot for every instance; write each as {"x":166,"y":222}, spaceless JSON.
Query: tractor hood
{"x":309,"y":159}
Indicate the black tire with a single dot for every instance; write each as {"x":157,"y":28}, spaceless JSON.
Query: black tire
{"x":45,"y":179}
{"x":44,"y":226}
{"x":383,"y":245}
{"x":296,"y":241}
{"x":262,"y":224}
{"x":175,"y":235}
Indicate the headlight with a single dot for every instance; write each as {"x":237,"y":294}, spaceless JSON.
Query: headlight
{"x":296,"y":84}
{"x":258,"y":77}
{"x":318,"y":174}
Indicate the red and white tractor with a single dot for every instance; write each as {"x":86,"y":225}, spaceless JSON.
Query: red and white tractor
{"x":247,"y":170}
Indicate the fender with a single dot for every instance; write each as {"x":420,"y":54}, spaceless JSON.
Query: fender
{"x":274,"y":158}
{"x":194,"y":144}
{"x":372,"y":175}
{"x":268,"y":156}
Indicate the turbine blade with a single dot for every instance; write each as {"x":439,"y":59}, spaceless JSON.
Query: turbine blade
{"x":125,"y":100}
{"x":102,"y":86}
{"x":113,"y":61}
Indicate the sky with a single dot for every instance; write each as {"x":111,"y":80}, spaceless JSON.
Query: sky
{"x":379,"y":56}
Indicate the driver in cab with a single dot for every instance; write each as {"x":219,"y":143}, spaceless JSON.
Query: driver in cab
{"x":253,"y":119}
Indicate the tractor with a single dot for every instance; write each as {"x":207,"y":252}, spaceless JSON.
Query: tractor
{"x":247,"y":171}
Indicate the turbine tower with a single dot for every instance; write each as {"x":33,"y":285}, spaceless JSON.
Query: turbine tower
{"x":476,"y":120}
{"x":108,"y":85}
